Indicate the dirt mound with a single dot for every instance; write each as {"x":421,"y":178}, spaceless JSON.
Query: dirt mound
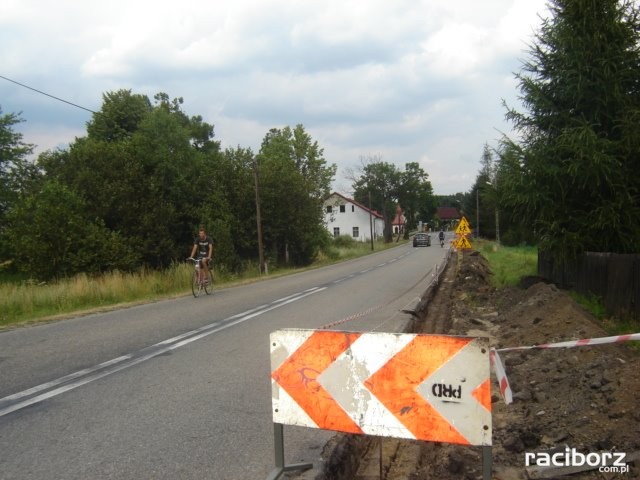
{"x":584,"y":398}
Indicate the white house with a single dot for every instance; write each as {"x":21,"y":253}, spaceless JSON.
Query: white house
{"x":345,"y":216}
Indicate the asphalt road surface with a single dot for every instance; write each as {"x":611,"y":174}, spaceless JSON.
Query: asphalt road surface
{"x":181,"y":388}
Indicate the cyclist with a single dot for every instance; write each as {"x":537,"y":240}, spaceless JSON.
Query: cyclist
{"x":203,"y":245}
{"x":441,"y":237}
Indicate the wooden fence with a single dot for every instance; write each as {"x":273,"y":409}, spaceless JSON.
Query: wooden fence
{"x":613,"y":277}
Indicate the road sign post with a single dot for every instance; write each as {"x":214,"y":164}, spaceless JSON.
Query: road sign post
{"x":462,"y":230}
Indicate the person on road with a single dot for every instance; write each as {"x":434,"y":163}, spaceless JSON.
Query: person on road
{"x":203,"y":246}
{"x":441,"y":237}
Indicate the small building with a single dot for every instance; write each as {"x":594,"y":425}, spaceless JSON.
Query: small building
{"x":447,"y":215}
{"x":345,"y":216}
{"x":399,"y":221}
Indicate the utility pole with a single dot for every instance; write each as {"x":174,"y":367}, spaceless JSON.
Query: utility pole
{"x":477,"y":211}
{"x":370,"y":220}
{"x":495,"y":184}
{"x":258,"y":218}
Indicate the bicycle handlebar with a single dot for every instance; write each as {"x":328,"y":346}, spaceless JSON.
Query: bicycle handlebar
{"x":195,"y":260}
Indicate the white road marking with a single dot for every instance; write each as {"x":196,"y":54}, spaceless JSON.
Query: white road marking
{"x":69,"y":382}
{"x":82,"y":377}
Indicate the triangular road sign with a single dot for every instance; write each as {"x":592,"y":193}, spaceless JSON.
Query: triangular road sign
{"x":463,"y":227}
{"x":462,"y":243}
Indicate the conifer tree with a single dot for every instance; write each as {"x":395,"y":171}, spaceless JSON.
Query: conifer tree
{"x":572,"y":174}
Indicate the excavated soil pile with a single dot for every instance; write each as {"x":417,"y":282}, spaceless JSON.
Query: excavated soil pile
{"x":585,"y":398}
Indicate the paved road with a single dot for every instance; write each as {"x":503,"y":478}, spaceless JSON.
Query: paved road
{"x":181,"y":388}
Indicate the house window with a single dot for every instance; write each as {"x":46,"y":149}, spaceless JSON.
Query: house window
{"x":342,"y":209}
{"x":356,"y":232}
{"x":329,"y":209}
{"x":336,"y":231}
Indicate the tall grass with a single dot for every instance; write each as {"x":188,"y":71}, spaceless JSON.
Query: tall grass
{"x":509,"y":264}
{"x":26,"y":301}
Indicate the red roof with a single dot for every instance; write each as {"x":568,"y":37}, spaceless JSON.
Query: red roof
{"x":447,"y":213}
{"x":399,"y":219}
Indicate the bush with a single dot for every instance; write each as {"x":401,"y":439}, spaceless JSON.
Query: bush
{"x":344,"y":241}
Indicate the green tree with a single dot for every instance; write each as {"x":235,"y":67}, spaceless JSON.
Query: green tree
{"x":235,"y":175}
{"x":382,"y":181}
{"x":16,"y":171}
{"x":167,"y":193}
{"x":415,"y":195}
{"x":200,"y":132}
{"x":513,"y":231}
{"x":57,"y":238}
{"x":485,"y":194}
{"x":149,"y":176}
{"x":119,"y":117}
{"x":294,"y":179}
{"x":573,"y":176}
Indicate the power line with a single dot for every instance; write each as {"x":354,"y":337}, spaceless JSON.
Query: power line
{"x":47,"y":94}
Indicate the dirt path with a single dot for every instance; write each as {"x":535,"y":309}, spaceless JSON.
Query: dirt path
{"x":584,"y":398}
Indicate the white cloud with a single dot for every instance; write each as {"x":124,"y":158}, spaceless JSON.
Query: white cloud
{"x":410,"y":80}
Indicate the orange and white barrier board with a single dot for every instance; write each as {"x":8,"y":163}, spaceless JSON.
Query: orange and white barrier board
{"x":425,"y":387}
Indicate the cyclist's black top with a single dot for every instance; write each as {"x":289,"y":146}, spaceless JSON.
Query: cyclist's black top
{"x":441,"y":235}
{"x":203,"y":246}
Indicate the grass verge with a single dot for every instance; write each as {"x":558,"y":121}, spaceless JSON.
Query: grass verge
{"x":25,"y":301}
{"x":508,"y":264}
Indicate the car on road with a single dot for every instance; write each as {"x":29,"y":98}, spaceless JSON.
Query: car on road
{"x":422,"y":240}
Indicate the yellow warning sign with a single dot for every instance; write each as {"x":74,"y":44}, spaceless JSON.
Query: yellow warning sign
{"x":463,"y":227}
{"x":462,"y":243}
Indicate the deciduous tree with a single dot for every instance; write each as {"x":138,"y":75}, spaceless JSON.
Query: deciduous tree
{"x":16,"y":171}
{"x":294,"y":179}
{"x":382,"y":181}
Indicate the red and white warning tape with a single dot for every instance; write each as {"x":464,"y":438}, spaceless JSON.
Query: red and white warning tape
{"x":352,"y":317}
{"x":503,"y":381}
{"x":579,"y":343}
{"x":501,"y":375}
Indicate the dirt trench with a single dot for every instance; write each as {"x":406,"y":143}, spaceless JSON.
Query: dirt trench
{"x":584,"y":398}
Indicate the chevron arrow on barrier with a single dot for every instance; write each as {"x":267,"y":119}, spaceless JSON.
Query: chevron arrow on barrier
{"x":425,"y":387}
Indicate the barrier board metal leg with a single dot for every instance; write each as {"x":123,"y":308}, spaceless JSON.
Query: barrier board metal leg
{"x":278,"y":443}
{"x":487,"y":462}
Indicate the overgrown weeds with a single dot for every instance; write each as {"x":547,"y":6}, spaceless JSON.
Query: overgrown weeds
{"x":23,"y":300}
{"x":508,"y":264}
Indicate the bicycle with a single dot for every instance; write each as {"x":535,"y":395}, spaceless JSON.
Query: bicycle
{"x":199,"y":280}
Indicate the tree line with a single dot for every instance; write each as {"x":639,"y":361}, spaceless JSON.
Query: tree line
{"x":384,"y":186}
{"x":133,"y":191}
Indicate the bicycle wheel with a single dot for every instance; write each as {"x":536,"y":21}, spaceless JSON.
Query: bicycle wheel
{"x":208,"y":284}
{"x":195,"y":285}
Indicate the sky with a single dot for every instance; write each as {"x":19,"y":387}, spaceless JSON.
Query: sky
{"x":398,"y":80}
